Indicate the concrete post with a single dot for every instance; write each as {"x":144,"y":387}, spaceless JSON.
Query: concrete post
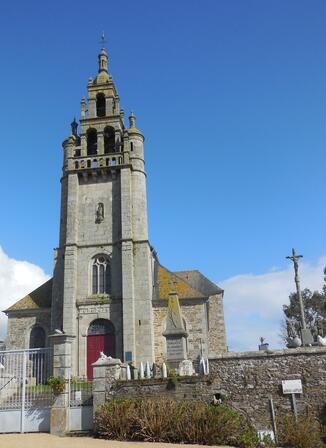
{"x":62,"y":362}
{"x":106,"y":371}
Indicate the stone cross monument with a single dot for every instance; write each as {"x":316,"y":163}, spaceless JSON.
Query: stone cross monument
{"x":306,"y":335}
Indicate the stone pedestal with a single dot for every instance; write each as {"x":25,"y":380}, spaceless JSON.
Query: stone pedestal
{"x":106,"y":371}
{"x":306,"y":337}
{"x":61,"y":346}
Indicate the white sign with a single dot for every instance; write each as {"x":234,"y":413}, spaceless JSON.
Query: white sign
{"x":78,"y":395}
{"x":292,"y":387}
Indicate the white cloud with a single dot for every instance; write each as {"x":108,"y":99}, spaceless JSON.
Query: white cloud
{"x":17,"y":278}
{"x":253,"y":303}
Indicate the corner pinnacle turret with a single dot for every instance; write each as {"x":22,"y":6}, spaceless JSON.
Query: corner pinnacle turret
{"x":103,"y":61}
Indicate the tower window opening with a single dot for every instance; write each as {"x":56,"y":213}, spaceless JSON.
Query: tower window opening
{"x":100,"y":103}
{"x":101,"y":273}
{"x":109,"y":140}
{"x":91,"y":142}
{"x":131,"y":146}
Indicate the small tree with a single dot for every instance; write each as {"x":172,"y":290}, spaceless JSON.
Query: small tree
{"x":314,"y":309}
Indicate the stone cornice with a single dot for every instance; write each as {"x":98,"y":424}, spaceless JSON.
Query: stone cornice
{"x":270,"y":353}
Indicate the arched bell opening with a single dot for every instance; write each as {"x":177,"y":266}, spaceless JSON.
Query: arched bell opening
{"x":109,"y":140}
{"x":100,"y":105}
{"x":91,"y":142}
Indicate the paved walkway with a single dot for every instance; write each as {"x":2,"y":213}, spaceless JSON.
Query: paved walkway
{"x":48,"y":441}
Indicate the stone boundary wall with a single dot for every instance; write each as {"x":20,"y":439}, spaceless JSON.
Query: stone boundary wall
{"x":187,"y":388}
{"x":248,"y":380}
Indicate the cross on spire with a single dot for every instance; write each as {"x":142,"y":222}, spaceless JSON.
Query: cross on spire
{"x":102,"y":41}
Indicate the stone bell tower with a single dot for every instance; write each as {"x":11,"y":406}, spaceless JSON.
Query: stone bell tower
{"x":104,"y":263}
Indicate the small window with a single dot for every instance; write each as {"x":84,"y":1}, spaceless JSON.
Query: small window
{"x":101,"y":275}
{"x":100,"y":104}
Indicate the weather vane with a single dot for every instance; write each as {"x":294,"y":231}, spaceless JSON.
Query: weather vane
{"x":102,"y":41}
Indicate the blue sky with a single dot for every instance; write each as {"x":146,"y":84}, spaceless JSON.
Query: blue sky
{"x":231,"y":97}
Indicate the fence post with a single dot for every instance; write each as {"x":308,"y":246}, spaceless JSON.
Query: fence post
{"x":23,"y":398}
{"x":105,"y":372}
{"x":61,"y":344}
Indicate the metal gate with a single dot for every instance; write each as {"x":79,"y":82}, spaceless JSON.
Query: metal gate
{"x":80,"y":404}
{"x":25,"y":397}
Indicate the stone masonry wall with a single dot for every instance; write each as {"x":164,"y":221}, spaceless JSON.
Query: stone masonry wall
{"x":204,"y":322}
{"x":248,"y":380}
{"x":20,"y":326}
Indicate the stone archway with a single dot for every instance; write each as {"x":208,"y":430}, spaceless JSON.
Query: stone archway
{"x":100,"y":338}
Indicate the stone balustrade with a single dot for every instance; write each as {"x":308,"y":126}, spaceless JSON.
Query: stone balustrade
{"x":96,"y":161}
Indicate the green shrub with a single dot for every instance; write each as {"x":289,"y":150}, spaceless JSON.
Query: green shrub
{"x":305,"y":433}
{"x":57,"y":383}
{"x":164,"y":420}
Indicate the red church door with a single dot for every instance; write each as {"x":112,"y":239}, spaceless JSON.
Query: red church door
{"x":101,"y":338}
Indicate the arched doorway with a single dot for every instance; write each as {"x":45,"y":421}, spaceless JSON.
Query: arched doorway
{"x":37,"y":358}
{"x":37,"y":337}
{"x":100,"y":338}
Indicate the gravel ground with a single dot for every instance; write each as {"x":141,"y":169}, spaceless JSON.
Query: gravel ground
{"x":48,"y":441}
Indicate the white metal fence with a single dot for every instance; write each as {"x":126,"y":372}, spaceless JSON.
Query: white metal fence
{"x":80,"y":392}
{"x":25,"y":397}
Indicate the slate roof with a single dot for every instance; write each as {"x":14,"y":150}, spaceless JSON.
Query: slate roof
{"x":39,"y":298}
{"x":198,"y":281}
{"x":188,"y":284}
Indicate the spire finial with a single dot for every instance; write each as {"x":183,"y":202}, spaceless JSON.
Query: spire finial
{"x":132,"y":120}
{"x":103,"y":41}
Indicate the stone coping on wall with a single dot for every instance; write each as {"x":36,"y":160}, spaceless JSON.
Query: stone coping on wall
{"x":155,"y":381}
{"x":270,"y":353}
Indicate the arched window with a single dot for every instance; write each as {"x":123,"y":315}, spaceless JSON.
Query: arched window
{"x":100,"y":105}
{"x":101,"y":275}
{"x":37,"y":337}
{"x":91,"y":142}
{"x":109,"y":140}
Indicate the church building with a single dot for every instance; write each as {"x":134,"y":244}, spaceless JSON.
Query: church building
{"x":109,"y":291}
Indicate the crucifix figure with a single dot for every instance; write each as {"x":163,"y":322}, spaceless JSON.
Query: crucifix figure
{"x":295,"y":258}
